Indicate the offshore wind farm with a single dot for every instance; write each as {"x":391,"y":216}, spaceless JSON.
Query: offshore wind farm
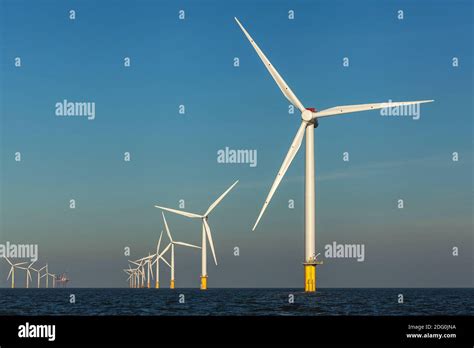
{"x":149,"y":200}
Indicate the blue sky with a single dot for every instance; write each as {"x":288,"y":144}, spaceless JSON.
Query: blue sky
{"x":174,"y":156}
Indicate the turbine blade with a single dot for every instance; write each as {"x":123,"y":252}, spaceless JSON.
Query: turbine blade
{"x":180,"y":212}
{"x":10,"y":273}
{"x":295,"y":146}
{"x":151,"y":270}
{"x":11,"y":264}
{"x":209,"y":237}
{"x":218,"y":200}
{"x":187,"y":245}
{"x":159,"y":242}
{"x":166,"y":227}
{"x":285,"y":89}
{"x":164,"y":260}
{"x":345,"y":109}
{"x":164,"y":251}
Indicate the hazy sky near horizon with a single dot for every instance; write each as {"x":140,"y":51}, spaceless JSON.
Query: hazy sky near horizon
{"x":174,"y":156}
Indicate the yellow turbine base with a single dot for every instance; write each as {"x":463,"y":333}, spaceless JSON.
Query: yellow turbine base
{"x":309,"y":278}
{"x":148,"y":285}
{"x":157,"y":285}
{"x":204,"y":282}
{"x":172,"y":284}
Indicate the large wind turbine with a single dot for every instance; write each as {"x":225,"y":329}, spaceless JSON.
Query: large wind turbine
{"x":157,"y":261}
{"x":309,"y":121}
{"x":171,"y":245}
{"x":12,"y":270}
{"x":206,"y":233}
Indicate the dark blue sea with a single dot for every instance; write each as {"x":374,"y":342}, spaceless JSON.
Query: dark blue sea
{"x":236,"y":302}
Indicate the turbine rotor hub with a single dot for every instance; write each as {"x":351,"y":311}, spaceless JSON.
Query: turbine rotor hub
{"x":307,"y":115}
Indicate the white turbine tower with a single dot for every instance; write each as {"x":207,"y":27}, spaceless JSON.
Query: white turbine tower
{"x":12,"y":270}
{"x":206,"y":233}
{"x":157,"y":261}
{"x":171,"y":245}
{"x":309,"y":121}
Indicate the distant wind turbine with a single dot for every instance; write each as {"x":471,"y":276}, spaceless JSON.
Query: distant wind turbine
{"x":157,"y":262}
{"x":171,"y":245}
{"x":28,"y":273}
{"x":39,"y":274}
{"x":12,"y":270}
{"x":46,"y":275}
{"x":206,"y":232}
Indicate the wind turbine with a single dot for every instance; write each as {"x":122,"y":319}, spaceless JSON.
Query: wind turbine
{"x":28,"y":273}
{"x":171,"y":245}
{"x":206,"y":233}
{"x":147,"y":261}
{"x":157,"y":261}
{"x":140,"y":283}
{"x":149,"y":270}
{"x":309,"y":121}
{"x":46,"y":276}
{"x":39,"y":274}
{"x":54,"y":278}
{"x":130,"y":274}
{"x":133,"y":274}
{"x":12,"y":270}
